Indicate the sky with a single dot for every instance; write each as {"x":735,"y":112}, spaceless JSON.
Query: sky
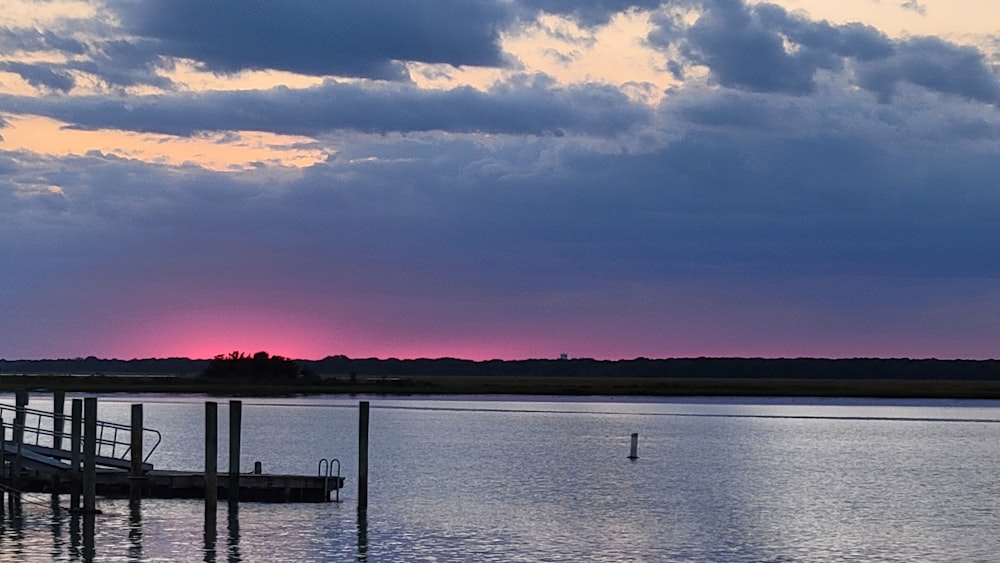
{"x":502,"y":179}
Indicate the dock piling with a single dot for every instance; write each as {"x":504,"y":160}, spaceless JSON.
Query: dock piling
{"x":3,"y":462}
{"x":633,"y":452}
{"x":363,"y":455}
{"x":211,"y":458}
{"x":76,"y":432}
{"x":89,"y":455}
{"x":20,"y":404}
{"x":58,"y":418}
{"x":235,"y":429}
{"x":136,"y":476}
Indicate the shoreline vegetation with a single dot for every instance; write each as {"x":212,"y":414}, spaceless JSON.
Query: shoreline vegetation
{"x":748,"y":377}
{"x":563,"y":386}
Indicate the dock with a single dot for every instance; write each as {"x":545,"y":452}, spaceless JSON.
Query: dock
{"x":33,"y":459}
{"x":167,"y":484}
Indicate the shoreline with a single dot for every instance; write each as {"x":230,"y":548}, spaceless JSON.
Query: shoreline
{"x":488,"y":385}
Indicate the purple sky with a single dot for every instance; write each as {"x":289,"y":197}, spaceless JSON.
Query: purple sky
{"x":499,"y":179}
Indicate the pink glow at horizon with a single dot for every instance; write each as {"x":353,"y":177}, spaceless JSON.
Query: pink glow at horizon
{"x":207,"y":333}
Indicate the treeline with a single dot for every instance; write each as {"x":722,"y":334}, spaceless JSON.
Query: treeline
{"x":98,"y":366}
{"x":721,"y":368}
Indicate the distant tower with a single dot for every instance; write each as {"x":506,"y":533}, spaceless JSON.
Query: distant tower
{"x":564,"y":356}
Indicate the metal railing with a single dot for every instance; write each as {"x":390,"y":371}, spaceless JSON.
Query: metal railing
{"x":40,"y":428}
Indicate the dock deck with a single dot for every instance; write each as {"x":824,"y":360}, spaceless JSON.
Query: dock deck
{"x":188,"y":484}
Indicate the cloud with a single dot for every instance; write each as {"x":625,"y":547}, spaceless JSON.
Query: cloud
{"x":32,"y":40}
{"x":763,"y":48}
{"x":40,"y":75}
{"x":345,"y":38}
{"x":934,"y":64}
{"x":915,"y":6}
{"x":533,"y":107}
{"x":588,"y":13}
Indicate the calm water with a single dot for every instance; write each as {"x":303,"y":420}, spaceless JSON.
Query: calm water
{"x":517,"y":479}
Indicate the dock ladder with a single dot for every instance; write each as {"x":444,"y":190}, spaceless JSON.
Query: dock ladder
{"x":325,"y":470}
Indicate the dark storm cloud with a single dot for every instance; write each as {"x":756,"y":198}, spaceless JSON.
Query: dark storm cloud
{"x":533,"y":107}
{"x":360,"y":38}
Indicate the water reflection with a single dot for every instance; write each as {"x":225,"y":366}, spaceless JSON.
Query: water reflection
{"x":233,"y":554}
{"x":515,"y":486}
{"x":135,"y":529}
{"x":362,"y":534}
{"x":74,"y":536}
{"x":57,"y":528}
{"x":209,"y":534}
{"x":88,"y":536}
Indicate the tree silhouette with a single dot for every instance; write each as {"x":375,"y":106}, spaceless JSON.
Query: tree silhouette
{"x":261,"y":367}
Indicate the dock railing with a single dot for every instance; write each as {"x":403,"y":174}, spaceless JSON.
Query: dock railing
{"x":39,"y":429}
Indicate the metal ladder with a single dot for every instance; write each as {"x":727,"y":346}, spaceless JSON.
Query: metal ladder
{"x":327,"y":465}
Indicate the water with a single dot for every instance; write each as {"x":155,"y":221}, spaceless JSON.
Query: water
{"x":539,"y":479}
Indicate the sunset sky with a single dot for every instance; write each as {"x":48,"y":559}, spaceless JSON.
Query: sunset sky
{"x":500,"y":178}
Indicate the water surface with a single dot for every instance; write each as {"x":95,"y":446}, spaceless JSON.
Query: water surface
{"x":544,"y":479}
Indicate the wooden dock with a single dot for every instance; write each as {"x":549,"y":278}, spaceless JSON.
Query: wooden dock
{"x":32,"y":460}
{"x":43,"y":472}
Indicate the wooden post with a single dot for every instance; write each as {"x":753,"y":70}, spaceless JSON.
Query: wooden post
{"x":75,"y":439}
{"x":3,"y":461}
{"x":211,"y":462}
{"x":20,"y":404}
{"x":235,"y":425}
{"x":89,"y":455}
{"x":633,"y":451}
{"x":59,"y":418}
{"x":363,"y":456}
{"x":136,"y":477}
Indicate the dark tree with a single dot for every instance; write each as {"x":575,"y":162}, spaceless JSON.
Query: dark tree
{"x":260,"y":367}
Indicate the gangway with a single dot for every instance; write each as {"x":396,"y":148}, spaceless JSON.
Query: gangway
{"x":46,"y":434}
